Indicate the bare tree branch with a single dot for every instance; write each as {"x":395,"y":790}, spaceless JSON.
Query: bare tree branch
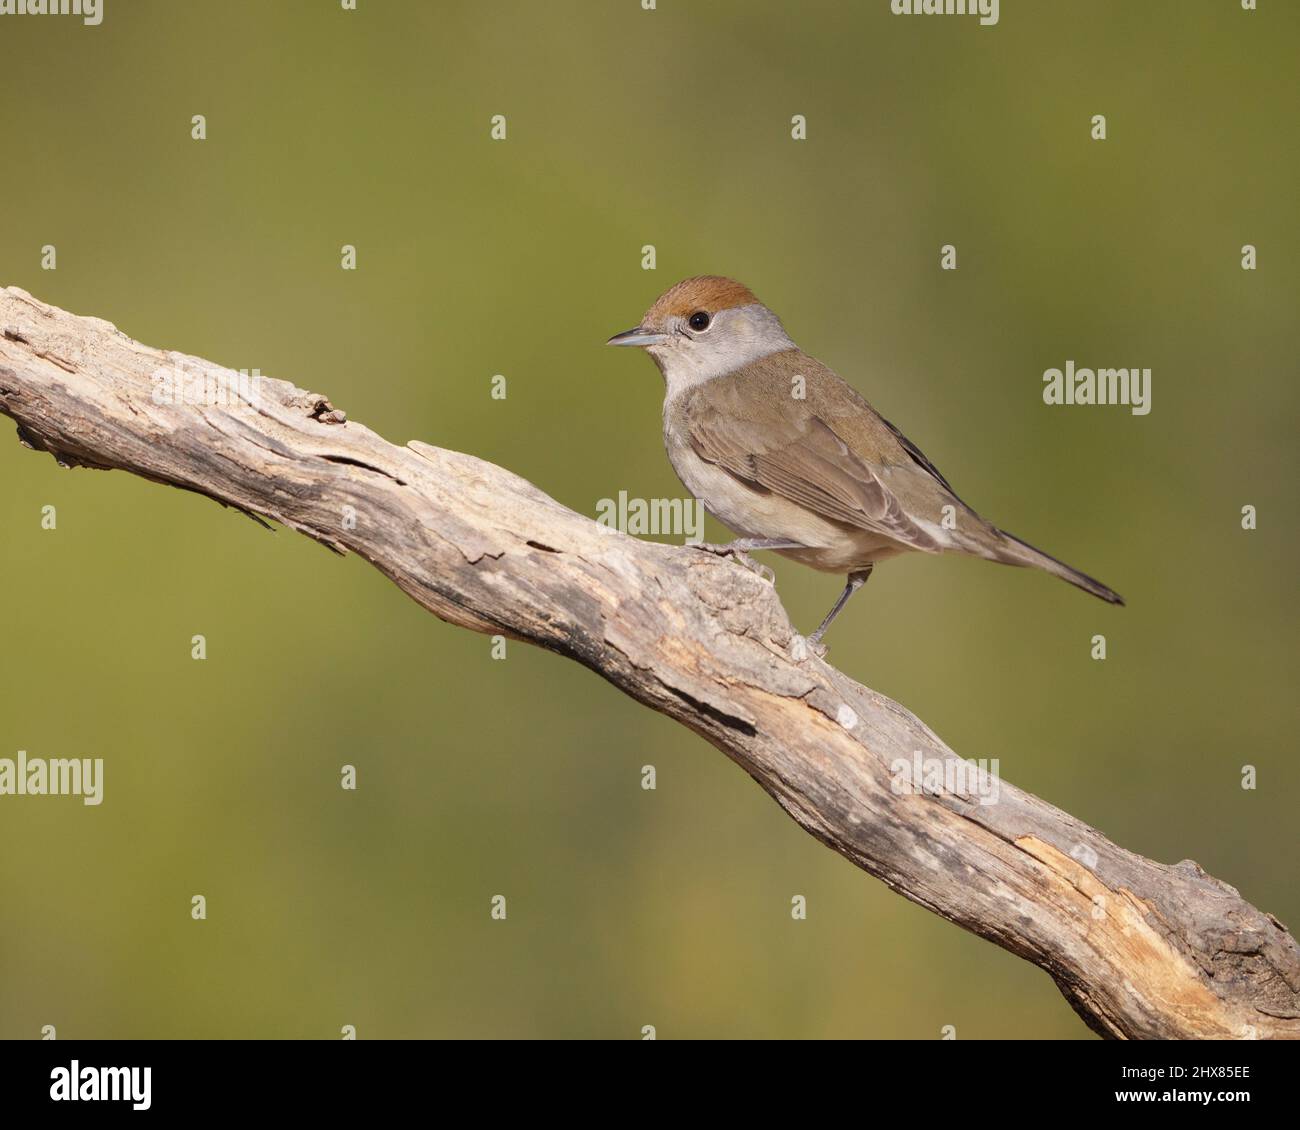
{"x":1140,"y":949}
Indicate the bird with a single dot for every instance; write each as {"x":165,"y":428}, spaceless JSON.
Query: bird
{"x":791,"y":458}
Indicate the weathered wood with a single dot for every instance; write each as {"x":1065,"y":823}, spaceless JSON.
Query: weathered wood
{"x":1140,"y":949}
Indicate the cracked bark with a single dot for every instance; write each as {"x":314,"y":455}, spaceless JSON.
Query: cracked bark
{"x":1140,"y":949}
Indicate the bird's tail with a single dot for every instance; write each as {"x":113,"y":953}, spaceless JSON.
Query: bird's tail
{"x":1022,"y":553}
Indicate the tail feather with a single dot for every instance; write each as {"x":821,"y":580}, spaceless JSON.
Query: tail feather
{"x":1025,"y":554}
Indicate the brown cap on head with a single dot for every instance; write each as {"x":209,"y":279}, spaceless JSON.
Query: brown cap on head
{"x":704,"y":292}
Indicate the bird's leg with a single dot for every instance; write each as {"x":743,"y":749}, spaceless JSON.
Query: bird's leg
{"x":739,"y":550}
{"x":855,"y":582}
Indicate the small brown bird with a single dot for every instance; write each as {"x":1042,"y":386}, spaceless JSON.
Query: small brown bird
{"x":788,"y":456}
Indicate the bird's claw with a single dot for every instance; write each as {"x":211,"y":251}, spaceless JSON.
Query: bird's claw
{"x":801,"y":647}
{"x":763,"y":572}
{"x":740,"y":557}
{"x":717,"y":549}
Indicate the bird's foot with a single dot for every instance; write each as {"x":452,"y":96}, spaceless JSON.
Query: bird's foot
{"x":718,"y":549}
{"x":803,"y":646}
{"x":738,"y":555}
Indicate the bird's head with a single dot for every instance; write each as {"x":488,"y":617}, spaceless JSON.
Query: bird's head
{"x":706,"y":327}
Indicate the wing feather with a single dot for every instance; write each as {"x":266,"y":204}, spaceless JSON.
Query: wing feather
{"x":799,"y":456}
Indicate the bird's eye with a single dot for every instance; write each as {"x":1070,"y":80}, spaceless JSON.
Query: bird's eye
{"x":699,"y":320}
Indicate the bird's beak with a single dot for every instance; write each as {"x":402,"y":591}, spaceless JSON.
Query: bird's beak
{"x":637,"y":336}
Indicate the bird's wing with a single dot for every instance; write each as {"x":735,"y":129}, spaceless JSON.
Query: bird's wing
{"x":820,"y":445}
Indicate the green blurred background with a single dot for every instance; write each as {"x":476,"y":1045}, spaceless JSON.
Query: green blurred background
{"x":522,"y":777}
